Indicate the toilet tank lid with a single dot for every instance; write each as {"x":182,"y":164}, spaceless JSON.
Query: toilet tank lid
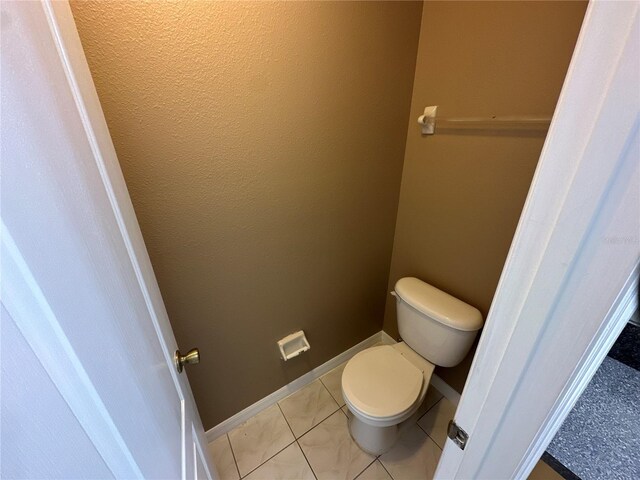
{"x":439,"y":305}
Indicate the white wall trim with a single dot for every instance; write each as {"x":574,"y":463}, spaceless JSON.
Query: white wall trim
{"x":242,"y":416}
{"x":445,"y":389}
{"x":386,"y":338}
{"x":617,"y":319}
{"x":271,"y":399}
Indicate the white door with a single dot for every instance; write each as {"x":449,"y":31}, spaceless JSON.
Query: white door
{"x":89,"y":385}
{"x":570,"y":282}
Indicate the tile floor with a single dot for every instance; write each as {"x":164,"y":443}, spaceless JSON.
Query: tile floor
{"x":305,"y":436}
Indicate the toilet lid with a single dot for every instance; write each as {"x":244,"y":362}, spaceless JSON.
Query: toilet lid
{"x":381,"y":383}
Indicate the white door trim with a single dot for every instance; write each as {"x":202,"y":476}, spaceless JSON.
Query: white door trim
{"x":625,"y":305}
{"x":572,"y":267}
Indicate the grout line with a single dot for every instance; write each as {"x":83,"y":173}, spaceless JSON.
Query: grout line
{"x":305,"y":457}
{"x":282,"y":449}
{"x":285,"y":419}
{"x":279,"y":451}
{"x":430,"y":437}
{"x":427,"y":433}
{"x":302,"y":449}
{"x":313,"y":426}
{"x":320,"y":378}
{"x":235,"y":462}
{"x":385,"y":469}
{"x":332,"y":397}
{"x":430,"y":408}
{"x":374,"y":460}
{"x":296,"y":438}
{"x":434,"y":405}
{"x":325,"y":387}
{"x":318,"y":424}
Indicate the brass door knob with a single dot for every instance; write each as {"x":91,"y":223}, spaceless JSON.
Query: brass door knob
{"x":192,"y":357}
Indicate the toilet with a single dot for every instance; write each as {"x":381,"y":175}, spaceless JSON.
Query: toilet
{"x":384,"y":386}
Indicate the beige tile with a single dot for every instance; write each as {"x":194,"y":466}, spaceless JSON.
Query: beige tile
{"x":307,"y":407}
{"x":259,"y":438}
{"x":433,"y":396}
{"x":331,"y":452}
{"x":415,"y":456}
{"x":333,"y":382}
{"x":542,"y":471}
{"x":436,"y":420}
{"x":375,"y":471}
{"x":289,"y":464}
{"x":220,"y":451}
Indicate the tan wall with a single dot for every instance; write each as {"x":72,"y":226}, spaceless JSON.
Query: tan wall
{"x":462,"y":194}
{"x":262,"y":145}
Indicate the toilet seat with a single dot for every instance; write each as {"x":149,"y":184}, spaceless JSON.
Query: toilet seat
{"x":381,"y":384}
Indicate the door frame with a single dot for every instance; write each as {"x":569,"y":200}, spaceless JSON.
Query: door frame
{"x":570,"y":281}
{"x":546,"y":255}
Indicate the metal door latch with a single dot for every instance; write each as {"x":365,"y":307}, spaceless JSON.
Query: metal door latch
{"x":458,"y":435}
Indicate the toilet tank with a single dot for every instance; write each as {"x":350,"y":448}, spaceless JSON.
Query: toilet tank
{"x":436,"y":325}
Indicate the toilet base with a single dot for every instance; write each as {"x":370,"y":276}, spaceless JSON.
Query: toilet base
{"x":378,"y":440}
{"x":373,"y":440}
{"x":382,"y":436}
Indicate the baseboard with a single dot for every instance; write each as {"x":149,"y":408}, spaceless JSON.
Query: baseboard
{"x":242,"y":416}
{"x":445,"y":389}
{"x":386,"y":338}
{"x":232,"y":422}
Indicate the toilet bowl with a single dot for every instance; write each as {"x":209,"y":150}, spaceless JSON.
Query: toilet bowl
{"x":384,"y":386}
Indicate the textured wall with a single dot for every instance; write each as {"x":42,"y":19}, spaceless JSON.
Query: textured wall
{"x":262,"y":145}
{"x":462,"y":193}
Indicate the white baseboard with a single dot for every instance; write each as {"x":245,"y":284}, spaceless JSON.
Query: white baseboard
{"x":242,"y":416}
{"x":386,"y":338}
{"x":445,"y":389}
